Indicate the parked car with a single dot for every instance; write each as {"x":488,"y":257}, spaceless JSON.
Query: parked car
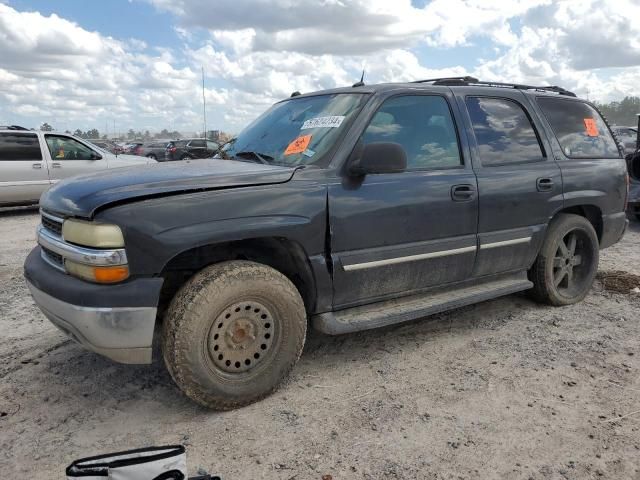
{"x":132,"y":148}
{"x":31,"y":161}
{"x":153,"y":150}
{"x":353,"y":208}
{"x":190,"y":148}
{"x":628,"y":137}
{"x":106,"y":145}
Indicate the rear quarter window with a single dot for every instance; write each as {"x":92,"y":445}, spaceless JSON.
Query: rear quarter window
{"x":579,"y":128}
{"x":19,"y":146}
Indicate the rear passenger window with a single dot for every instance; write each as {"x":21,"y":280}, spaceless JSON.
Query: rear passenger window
{"x":504,"y":132}
{"x":579,"y":128}
{"x":423,"y":125}
{"x":19,"y":146}
{"x":197,"y":144}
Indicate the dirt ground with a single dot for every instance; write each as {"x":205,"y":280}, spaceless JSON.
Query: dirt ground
{"x":504,"y":389}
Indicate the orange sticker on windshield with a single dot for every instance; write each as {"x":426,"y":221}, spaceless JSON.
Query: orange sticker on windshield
{"x":299,"y":145}
{"x":592,"y":128}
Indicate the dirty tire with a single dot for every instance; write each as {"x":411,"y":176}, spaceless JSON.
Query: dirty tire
{"x":227,"y":301}
{"x":559,"y":253}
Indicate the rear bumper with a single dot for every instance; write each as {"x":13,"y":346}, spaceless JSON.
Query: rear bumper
{"x":116,"y":321}
{"x":613,"y":228}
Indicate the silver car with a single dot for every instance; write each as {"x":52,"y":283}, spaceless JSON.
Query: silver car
{"x":31,"y":161}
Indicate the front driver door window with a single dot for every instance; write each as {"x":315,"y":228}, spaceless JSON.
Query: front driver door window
{"x":70,"y":157}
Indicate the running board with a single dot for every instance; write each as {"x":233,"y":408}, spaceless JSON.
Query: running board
{"x":398,"y":310}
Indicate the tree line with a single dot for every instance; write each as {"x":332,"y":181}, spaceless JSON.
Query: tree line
{"x":132,"y":134}
{"x":621,"y":113}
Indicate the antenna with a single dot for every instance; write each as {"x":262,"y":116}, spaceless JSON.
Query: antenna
{"x":204,"y":106}
{"x":361,"y":82}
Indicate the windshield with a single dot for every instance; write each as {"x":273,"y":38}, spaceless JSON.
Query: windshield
{"x":298,"y":131}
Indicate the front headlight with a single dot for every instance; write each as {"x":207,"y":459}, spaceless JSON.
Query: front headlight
{"x":90,"y":234}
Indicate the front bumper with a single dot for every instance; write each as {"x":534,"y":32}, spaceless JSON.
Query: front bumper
{"x":116,"y":321}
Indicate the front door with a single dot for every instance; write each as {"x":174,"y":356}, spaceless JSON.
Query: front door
{"x":519,"y":183}
{"x":23,"y":170}
{"x":69,"y":157}
{"x":396,"y":234}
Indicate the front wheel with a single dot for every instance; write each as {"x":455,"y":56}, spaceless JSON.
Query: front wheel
{"x":152,"y":156}
{"x":567,"y":263}
{"x":232,"y":333}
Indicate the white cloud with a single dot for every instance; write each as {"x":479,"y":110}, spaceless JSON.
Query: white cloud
{"x":257,"y":52}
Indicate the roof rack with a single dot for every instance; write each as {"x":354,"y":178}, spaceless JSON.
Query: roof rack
{"x":467,"y":80}
{"x":12,"y":127}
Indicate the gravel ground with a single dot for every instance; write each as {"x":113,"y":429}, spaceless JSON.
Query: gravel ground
{"x":503,"y":389}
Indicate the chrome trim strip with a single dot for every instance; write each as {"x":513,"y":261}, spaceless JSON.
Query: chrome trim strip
{"x":22,"y":183}
{"x":506,"y":243}
{"x":46,"y":258}
{"x":409,"y":258}
{"x":88,"y":256}
{"x":51,"y":217}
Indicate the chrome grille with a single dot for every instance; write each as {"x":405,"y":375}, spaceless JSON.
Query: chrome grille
{"x":51,"y":223}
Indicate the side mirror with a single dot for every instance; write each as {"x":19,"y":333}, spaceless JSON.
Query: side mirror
{"x":380,"y":157}
{"x":96,"y":156}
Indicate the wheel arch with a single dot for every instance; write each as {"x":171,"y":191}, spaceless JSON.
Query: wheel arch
{"x":283,"y":254}
{"x":593,"y":213}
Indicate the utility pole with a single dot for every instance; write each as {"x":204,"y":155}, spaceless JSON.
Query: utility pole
{"x":204,"y":106}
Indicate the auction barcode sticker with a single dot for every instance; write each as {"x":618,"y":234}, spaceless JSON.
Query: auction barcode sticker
{"x":323,"y":122}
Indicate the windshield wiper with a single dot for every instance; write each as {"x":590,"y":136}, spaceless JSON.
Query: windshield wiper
{"x":259,"y":157}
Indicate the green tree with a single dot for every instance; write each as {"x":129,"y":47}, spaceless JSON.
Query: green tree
{"x":623,"y":112}
{"x":93,"y":133}
{"x":45,"y":127}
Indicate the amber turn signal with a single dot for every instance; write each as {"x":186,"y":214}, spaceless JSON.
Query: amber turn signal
{"x":98,"y":274}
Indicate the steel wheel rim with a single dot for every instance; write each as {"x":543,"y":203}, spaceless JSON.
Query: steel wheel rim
{"x":242,"y":337}
{"x":572,"y":263}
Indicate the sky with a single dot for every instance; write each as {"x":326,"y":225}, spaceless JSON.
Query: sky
{"x":120,"y":64}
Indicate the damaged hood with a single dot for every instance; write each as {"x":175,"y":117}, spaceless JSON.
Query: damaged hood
{"x":82,"y":195}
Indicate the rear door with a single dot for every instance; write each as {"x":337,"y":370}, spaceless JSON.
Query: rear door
{"x":398,"y":233}
{"x":519,"y":183}
{"x":69,"y":157}
{"x":23,"y":170}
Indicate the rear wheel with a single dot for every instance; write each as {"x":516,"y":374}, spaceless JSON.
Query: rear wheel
{"x":152,"y":156}
{"x":233,"y":333}
{"x":567,"y":263}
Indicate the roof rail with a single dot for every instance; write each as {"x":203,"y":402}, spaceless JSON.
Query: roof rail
{"x":12,"y":127}
{"x":453,"y":81}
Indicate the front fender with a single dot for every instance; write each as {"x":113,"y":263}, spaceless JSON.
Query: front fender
{"x":156,"y":230}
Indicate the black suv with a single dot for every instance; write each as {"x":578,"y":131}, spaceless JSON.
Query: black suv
{"x":351,"y":209}
{"x":190,"y":148}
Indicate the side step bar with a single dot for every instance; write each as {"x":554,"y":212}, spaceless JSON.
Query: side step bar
{"x":403,"y":309}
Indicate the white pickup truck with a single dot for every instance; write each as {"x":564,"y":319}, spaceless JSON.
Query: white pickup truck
{"x":31,"y":161}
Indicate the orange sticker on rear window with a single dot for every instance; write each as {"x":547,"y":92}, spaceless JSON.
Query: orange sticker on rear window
{"x":299,"y":145}
{"x":592,"y":128}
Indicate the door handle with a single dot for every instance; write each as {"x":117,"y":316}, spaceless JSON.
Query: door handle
{"x":37,"y":166}
{"x":56,"y":165}
{"x":544,"y":184}
{"x":462,"y":193}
